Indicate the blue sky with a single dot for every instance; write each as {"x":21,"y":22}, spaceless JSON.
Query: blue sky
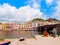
{"x":16,"y":3}
{"x":43,"y":8}
{"x":47,"y":9}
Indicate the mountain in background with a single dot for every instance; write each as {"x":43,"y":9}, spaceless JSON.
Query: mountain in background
{"x":39,"y":19}
{"x":35,"y":19}
{"x":54,"y":19}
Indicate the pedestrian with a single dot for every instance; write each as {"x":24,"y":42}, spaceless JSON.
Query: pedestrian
{"x":54,"y":31}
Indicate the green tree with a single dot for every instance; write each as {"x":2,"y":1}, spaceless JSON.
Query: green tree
{"x":38,"y":19}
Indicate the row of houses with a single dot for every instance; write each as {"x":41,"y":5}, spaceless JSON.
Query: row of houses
{"x":24,"y":26}
{"x":27,"y":29}
{"x":13,"y":29}
{"x":15,"y":26}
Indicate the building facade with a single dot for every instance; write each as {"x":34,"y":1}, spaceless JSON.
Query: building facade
{"x":27,"y":29}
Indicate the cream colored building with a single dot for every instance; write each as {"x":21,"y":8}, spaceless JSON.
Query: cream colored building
{"x":26,"y":26}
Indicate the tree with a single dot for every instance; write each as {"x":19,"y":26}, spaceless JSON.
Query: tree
{"x":38,"y":19}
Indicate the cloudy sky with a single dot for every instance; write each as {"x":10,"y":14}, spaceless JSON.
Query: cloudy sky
{"x":26,"y":10}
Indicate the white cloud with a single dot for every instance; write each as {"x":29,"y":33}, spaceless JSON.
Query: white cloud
{"x":29,"y":13}
{"x":57,"y":13}
{"x":25,"y":13}
{"x":36,"y":5}
{"x":49,"y":1}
